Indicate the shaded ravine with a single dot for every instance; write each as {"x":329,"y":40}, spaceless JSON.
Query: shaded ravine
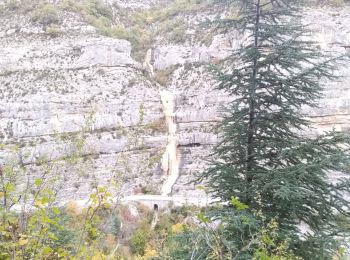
{"x":170,"y":159}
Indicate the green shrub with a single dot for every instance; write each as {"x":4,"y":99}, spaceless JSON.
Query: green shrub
{"x":53,"y":31}
{"x":163,"y":76}
{"x":116,"y":225}
{"x":46,"y":14}
{"x":71,"y":5}
{"x":13,"y":5}
{"x":139,"y":239}
{"x":65,"y":236}
{"x":181,"y":246}
{"x":94,"y":12}
{"x":149,"y":189}
{"x":99,"y":9}
{"x":158,"y":125}
{"x":178,"y":33}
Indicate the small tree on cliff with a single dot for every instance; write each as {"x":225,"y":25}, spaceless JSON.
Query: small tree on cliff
{"x":266,"y":158}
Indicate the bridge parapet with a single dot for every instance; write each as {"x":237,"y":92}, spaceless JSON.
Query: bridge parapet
{"x":162,"y":202}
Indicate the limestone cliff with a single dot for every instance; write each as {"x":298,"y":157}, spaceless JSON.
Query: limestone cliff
{"x":76,"y":94}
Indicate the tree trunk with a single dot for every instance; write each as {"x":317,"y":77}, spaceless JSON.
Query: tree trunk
{"x":251,"y":127}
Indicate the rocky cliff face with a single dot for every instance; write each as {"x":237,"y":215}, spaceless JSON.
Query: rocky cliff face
{"x":79,"y":102}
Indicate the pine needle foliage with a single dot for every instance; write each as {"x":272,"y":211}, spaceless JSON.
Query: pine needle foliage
{"x":267,"y":157}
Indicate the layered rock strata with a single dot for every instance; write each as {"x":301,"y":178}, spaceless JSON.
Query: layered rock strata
{"x":82,"y":103}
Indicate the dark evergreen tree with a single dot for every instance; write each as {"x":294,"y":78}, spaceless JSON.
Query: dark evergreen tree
{"x":267,"y":158}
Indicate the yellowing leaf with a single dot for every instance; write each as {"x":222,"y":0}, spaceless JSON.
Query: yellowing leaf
{"x":98,"y":256}
{"x":239,"y":205}
{"x":38,"y":182}
{"x":267,"y":240}
{"x":341,"y":251}
{"x":22,"y":241}
{"x":200,"y":187}
{"x":202,"y":218}
{"x":8,"y":169}
{"x":56,"y":211}
{"x":45,"y":199}
{"x":9,"y":187}
{"x":101,"y":189}
{"x":177,"y":228}
{"x":47,"y":250}
{"x":52,"y":236}
{"x":150,"y":252}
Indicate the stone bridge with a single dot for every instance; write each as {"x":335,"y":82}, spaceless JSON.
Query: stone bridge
{"x":161,"y":201}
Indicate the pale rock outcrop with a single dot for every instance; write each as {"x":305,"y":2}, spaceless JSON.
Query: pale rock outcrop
{"x":82,"y":96}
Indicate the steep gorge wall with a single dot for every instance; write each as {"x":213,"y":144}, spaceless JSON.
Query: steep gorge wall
{"x":82,"y":102}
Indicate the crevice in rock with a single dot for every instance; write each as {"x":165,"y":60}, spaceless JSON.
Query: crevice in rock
{"x":190,"y":145}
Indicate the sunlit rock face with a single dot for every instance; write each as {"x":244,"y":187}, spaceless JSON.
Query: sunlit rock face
{"x":81,"y":103}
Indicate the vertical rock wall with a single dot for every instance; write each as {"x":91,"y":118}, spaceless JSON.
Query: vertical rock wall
{"x":82,"y":103}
